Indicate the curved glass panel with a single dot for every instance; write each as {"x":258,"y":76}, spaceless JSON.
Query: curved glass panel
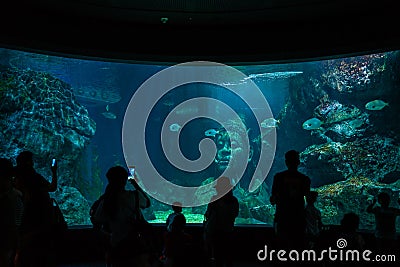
{"x":341,"y":114}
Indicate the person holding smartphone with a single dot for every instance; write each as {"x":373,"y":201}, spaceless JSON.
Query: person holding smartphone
{"x":119,"y":211}
{"x":36,"y":236}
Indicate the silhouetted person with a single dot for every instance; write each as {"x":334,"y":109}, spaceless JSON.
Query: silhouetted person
{"x":385,"y":221}
{"x":288,"y":191}
{"x":177,"y":208}
{"x":349,"y":231}
{"x":119,"y":209}
{"x":36,"y":229}
{"x":219,"y":223}
{"x":313,"y":219}
{"x":177,"y":244}
{"x":345,"y":238}
{"x":11,"y":210}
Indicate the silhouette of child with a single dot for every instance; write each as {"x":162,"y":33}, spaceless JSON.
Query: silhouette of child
{"x":385,"y":221}
{"x":348,"y":230}
{"x":177,"y":208}
{"x":177,"y":243}
{"x":313,"y":218}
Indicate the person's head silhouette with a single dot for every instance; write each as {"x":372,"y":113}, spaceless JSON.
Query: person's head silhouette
{"x":177,"y":206}
{"x":117,"y":176}
{"x":292,"y":159}
{"x":25,"y":159}
{"x":384,"y":199}
{"x":350,"y":222}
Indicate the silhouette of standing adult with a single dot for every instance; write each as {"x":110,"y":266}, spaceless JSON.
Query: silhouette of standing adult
{"x":120,"y":210}
{"x":288,"y":191}
{"x":219,"y":223}
{"x":36,"y":235}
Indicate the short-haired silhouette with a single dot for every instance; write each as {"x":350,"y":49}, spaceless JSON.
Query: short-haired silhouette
{"x":288,"y":191}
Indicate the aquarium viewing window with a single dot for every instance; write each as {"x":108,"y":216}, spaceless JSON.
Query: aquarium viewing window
{"x":183,"y":126}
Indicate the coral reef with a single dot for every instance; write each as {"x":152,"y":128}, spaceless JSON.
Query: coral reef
{"x":39,"y":113}
{"x":354,"y":73}
{"x":353,"y":195}
{"x":371,"y":157}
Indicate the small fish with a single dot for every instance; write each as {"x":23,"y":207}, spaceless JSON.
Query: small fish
{"x":357,"y":123}
{"x":211,"y":132}
{"x":376,"y":105}
{"x":312,"y":124}
{"x":108,"y":114}
{"x":174,"y":127}
{"x":270,"y":123}
{"x":168,"y":103}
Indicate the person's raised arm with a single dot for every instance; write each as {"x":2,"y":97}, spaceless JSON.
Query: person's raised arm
{"x":54,"y":179}
{"x":140,"y":191}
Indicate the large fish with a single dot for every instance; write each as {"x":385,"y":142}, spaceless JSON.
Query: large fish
{"x":312,"y":124}
{"x":270,"y":123}
{"x":210,"y":132}
{"x":376,"y":105}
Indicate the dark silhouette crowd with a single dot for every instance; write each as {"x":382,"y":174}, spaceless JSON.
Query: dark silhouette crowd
{"x":127,"y":239}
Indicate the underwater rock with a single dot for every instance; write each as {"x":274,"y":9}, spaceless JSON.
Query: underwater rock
{"x":316,"y":162}
{"x":340,"y":123}
{"x":39,"y":113}
{"x":73,"y":205}
{"x":331,"y":111}
{"x":353,"y":74}
{"x":253,"y":205}
{"x":371,"y":157}
{"x":391,"y":177}
{"x":352,"y":195}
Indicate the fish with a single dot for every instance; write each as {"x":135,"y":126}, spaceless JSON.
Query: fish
{"x":312,"y":124}
{"x":270,"y":123}
{"x":357,"y":123}
{"x":376,"y":105}
{"x":168,"y":103}
{"x":174,"y":127}
{"x":274,"y":75}
{"x":210,"y":132}
{"x":108,"y":114}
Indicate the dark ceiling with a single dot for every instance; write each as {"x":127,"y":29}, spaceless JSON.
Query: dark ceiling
{"x":230,"y":31}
